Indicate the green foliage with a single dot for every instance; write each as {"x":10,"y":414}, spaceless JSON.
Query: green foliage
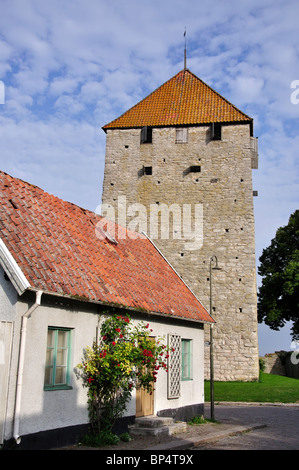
{"x":196,"y":420}
{"x":278,"y":297}
{"x":262,"y":365}
{"x":125,"y":437}
{"x":103,"y":438}
{"x":126,"y":356}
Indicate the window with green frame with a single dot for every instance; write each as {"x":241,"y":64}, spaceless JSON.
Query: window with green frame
{"x":186,"y":359}
{"x":57,"y":370}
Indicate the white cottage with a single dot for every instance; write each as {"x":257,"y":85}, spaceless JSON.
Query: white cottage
{"x":62,"y":269}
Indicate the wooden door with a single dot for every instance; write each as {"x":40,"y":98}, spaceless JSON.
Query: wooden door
{"x":144,"y":401}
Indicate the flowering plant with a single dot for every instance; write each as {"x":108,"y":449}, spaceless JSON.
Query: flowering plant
{"x":125,"y":357}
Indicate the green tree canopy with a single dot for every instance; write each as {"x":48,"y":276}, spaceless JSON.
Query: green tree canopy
{"x":278,"y":296}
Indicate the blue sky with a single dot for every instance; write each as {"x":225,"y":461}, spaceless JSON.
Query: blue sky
{"x":71,"y":66}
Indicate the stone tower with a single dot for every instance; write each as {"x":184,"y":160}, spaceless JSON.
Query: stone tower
{"x":178,"y":167}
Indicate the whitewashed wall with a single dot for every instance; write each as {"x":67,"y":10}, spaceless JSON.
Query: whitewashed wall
{"x":45,"y":410}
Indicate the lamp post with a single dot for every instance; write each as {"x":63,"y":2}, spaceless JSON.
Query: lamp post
{"x":212,"y":259}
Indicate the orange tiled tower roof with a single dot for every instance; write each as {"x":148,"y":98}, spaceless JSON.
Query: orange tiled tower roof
{"x":183,"y":100}
{"x":55,"y":245}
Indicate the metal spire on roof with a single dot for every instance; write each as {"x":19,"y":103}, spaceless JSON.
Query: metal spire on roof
{"x":185,"y":51}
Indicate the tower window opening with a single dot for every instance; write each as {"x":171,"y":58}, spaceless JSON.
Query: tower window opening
{"x":181,"y":135}
{"x":215,"y":131}
{"x":195,"y":169}
{"x":148,"y":170}
{"x":146,"y":135}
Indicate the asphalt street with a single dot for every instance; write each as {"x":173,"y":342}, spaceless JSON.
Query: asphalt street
{"x":280,"y":433}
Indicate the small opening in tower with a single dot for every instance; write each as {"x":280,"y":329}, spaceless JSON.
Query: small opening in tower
{"x":240,"y":309}
{"x":195,"y":169}
{"x":147,"y":170}
{"x":146,"y":135}
{"x":216,"y":131}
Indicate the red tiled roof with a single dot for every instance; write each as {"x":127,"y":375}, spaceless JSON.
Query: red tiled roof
{"x":55,"y":245}
{"x":182,"y":100}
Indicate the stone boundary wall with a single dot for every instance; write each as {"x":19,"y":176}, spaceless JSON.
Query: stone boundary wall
{"x":280,"y":363}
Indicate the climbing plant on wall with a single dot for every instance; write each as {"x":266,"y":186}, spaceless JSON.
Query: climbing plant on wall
{"x":125,"y":356}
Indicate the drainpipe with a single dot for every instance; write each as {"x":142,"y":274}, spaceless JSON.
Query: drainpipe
{"x":21,"y":366}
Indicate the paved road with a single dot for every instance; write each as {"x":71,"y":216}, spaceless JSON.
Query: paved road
{"x":281,"y":431}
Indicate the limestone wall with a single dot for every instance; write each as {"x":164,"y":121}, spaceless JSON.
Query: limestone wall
{"x":219,"y":197}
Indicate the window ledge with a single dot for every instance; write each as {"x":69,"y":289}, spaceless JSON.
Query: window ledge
{"x":57,"y":387}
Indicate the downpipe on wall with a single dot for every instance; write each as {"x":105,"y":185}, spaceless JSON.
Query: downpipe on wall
{"x":25,"y":317}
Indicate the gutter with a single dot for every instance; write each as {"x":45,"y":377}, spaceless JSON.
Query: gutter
{"x":21,"y":365}
{"x":12,"y":269}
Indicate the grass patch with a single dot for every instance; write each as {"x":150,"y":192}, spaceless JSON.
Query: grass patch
{"x":269,"y":389}
{"x":196,"y":420}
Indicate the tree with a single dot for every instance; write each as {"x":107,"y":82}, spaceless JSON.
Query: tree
{"x":278,"y":296}
{"x":125,"y":357}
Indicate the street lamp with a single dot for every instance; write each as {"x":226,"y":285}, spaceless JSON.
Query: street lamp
{"x":212,"y":259}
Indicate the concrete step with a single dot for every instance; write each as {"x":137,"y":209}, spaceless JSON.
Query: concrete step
{"x":154,"y":425}
{"x":152,"y":421}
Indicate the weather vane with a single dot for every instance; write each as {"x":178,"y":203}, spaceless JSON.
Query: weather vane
{"x":185,"y":51}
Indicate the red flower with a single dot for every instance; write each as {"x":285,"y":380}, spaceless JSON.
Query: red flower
{"x":121,"y":336}
{"x":113,"y":343}
{"x":117,"y":329}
